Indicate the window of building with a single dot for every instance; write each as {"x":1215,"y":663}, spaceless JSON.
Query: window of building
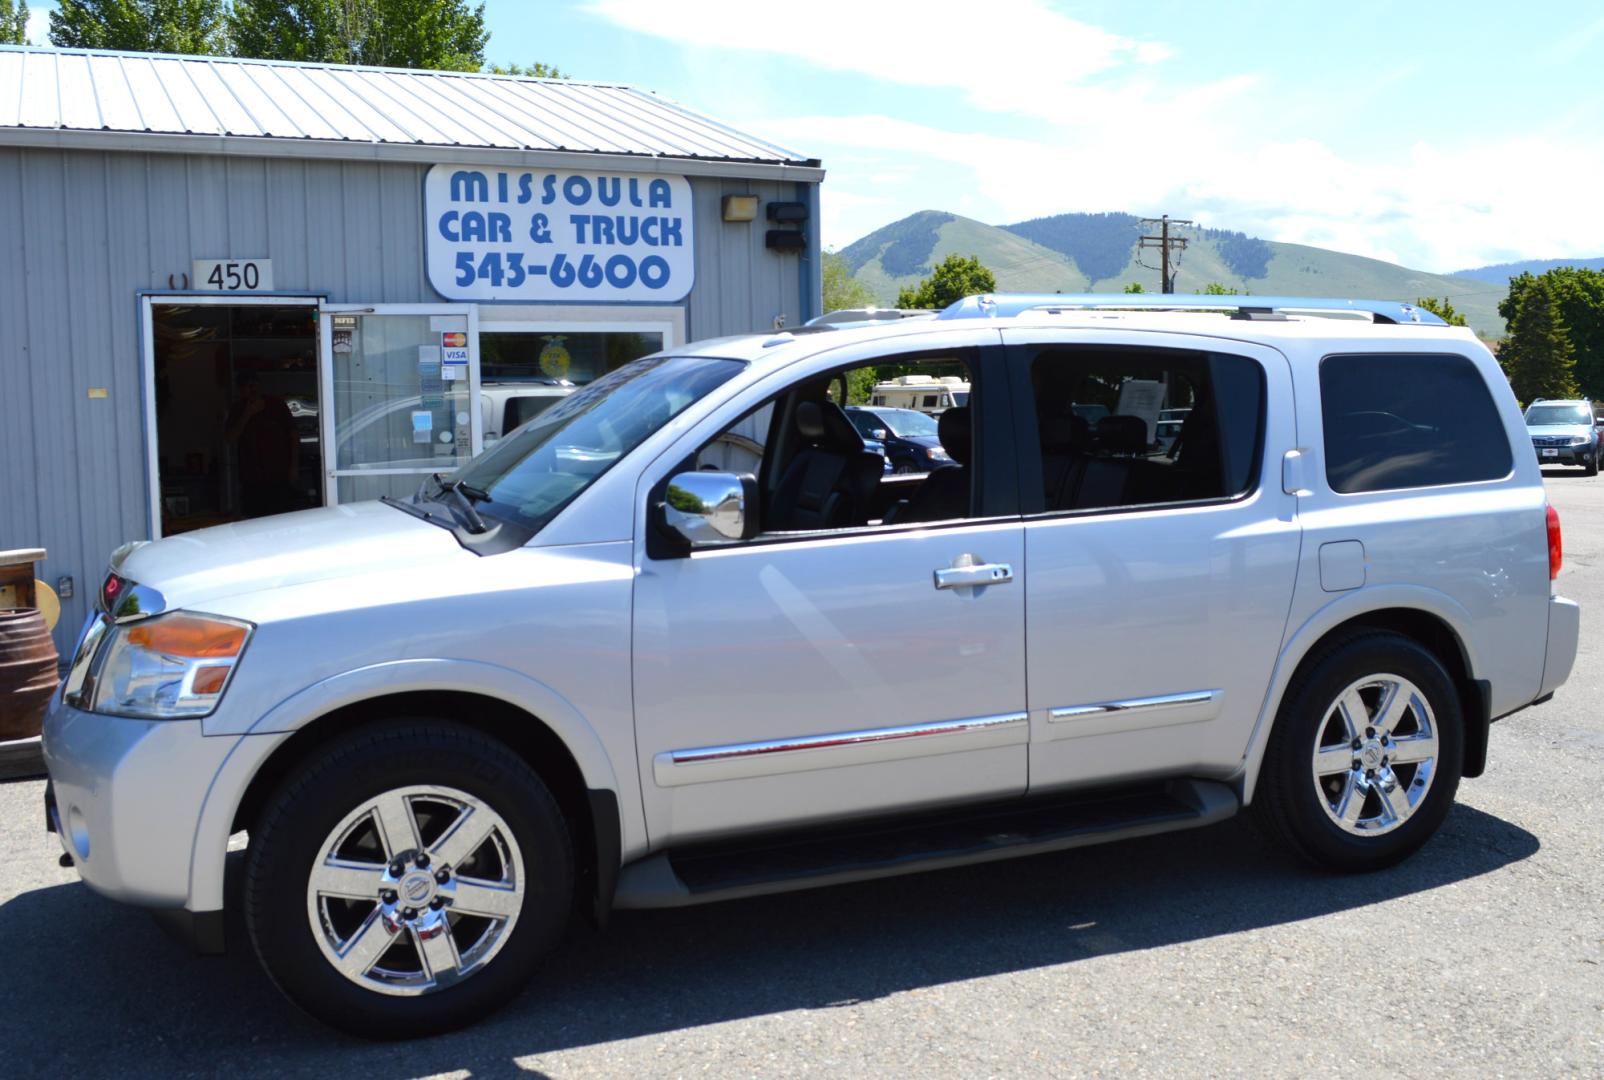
{"x":1135,"y":427}
{"x":1408,"y":420}
{"x":507,"y":356}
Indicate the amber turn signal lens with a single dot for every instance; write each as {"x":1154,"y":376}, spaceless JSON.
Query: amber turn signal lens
{"x":210,"y":680}
{"x":186,"y":635}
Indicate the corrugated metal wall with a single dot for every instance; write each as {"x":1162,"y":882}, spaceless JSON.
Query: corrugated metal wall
{"x":81,"y":234}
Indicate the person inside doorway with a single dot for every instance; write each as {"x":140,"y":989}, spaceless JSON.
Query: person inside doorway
{"x":267,"y":450}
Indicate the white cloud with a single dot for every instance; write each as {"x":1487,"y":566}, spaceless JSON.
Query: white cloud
{"x":1437,"y":208}
{"x":1012,"y":56}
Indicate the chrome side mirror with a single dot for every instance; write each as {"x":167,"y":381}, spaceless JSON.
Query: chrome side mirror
{"x":878,"y":433}
{"x":711,"y":507}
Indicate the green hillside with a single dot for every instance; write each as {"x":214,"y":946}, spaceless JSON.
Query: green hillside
{"x":1047,"y":255}
{"x":903,"y":252}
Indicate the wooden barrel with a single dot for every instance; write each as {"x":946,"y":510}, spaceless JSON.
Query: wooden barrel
{"x":27,"y":672}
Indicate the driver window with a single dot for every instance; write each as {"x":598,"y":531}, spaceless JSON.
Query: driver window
{"x":885,"y":443}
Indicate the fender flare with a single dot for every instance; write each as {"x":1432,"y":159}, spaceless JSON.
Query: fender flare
{"x":313,"y":702}
{"x":1345,"y":607}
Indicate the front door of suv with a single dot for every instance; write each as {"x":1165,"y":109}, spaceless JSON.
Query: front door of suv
{"x":824,"y":675}
{"x":1160,"y":572}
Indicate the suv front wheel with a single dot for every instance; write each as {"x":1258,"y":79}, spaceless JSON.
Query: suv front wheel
{"x":1365,"y":755}
{"x":406,"y":879}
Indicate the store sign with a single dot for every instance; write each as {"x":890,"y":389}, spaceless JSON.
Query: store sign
{"x":572,"y":237}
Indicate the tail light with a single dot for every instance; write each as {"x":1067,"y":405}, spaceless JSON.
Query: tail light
{"x":1556,"y":545}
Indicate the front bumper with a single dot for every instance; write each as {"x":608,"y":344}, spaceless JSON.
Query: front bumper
{"x":1564,"y":455}
{"x":127,"y":798}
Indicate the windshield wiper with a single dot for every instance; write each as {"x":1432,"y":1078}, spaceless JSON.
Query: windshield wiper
{"x":464,"y":496}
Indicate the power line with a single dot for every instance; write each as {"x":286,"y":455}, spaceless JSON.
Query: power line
{"x":1164,"y":242}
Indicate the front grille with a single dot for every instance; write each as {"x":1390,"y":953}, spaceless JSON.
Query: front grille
{"x":1551,"y":440}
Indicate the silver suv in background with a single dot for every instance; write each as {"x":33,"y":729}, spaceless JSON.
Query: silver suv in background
{"x":599,"y":668}
{"x":1564,"y":432}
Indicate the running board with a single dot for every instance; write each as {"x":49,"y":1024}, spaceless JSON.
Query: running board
{"x":755,"y":866}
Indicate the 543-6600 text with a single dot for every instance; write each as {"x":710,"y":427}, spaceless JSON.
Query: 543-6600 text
{"x":509,"y":269}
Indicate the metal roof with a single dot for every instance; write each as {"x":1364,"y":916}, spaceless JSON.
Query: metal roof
{"x":87,"y":98}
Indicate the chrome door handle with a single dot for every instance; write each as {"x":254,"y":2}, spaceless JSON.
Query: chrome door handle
{"x":968,"y":572}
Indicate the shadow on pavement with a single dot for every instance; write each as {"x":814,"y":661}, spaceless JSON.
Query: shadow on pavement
{"x":94,"y":988}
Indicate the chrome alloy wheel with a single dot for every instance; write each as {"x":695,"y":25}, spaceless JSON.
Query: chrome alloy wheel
{"x":1375,"y":755}
{"x":415,"y":890}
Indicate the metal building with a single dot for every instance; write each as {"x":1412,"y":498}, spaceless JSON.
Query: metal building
{"x":231,"y":287}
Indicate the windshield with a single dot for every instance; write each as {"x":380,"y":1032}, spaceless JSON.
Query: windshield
{"x":536,"y":471}
{"x":907,"y":423}
{"x":1538,"y":415}
{"x":960,"y":397}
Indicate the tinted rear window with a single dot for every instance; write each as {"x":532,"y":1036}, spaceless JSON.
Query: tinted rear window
{"x":1407,"y":421}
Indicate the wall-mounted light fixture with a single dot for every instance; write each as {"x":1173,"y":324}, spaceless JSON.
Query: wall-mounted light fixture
{"x":788,"y":213}
{"x":740,"y":208}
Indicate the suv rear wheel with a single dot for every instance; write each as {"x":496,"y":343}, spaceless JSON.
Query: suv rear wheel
{"x":1366,"y":753}
{"x":406,"y":878}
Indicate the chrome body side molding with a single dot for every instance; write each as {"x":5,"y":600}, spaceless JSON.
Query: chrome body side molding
{"x":1133,"y":714}
{"x":739,"y":761}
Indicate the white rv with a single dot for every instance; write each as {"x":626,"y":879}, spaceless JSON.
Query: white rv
{"x":924,"y":393}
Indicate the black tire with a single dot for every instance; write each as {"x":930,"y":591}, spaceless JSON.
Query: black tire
{"x":336,"y":780}
{"x":1590,"y":465}
{"x":1287,"y":801}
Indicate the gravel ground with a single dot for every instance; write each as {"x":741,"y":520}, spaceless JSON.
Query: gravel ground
{"x":1202,"y":953}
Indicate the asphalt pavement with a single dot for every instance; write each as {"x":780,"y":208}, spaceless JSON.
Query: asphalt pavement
{"x":1203,"y":953}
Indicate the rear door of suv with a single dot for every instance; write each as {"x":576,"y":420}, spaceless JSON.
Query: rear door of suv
{"x":1160,"y":577}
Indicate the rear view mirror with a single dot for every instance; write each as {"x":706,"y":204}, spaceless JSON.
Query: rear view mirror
{"x":711,"y":507}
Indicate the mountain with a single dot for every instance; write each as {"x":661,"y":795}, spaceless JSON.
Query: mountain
{"x":1098,"y":253}
{"x":1499,"y":273}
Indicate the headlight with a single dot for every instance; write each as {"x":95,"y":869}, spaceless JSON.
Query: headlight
{"x":1580,"y":440}
{"x":936,"y":453}
{"x":169,"y":666}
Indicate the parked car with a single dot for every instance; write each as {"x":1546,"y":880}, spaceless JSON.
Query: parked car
{"x":852,"y":316}
{"x":1564,"y":432}
{"x":511,"y":404}
{"x":909,"y":440}
{"x":585,"y":673}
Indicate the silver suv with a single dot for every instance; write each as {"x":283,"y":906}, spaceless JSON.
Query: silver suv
{"x":1564,"y":432}
{"x":595,"y":670}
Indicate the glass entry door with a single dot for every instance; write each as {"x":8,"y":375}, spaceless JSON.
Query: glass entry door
{"x":400,"y":382}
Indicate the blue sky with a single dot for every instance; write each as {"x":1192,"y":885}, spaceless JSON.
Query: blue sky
{"x":1438,"y":135}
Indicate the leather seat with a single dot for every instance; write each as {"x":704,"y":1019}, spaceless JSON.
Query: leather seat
{"x":831,"y":481}
{"x":1066,"y":447}
{"x":945,"y":492}
{"x":1106,"y":480}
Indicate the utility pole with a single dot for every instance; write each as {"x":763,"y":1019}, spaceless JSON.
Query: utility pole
{"x":1164,"y":242}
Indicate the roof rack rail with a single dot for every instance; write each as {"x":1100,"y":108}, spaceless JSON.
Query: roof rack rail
{"x":1007,"y":305}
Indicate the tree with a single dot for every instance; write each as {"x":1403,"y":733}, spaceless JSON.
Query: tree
{"x":1443,"y":309}
{"x":537,"y":70}
{"x":172,"y":26}
{"x":842,"y":291}
{"x":1579,"y":296}
{"x":1214,"y":288}
{"x":1135,"y":287}
{"x":443,"y":35}
{"x":956,"y":278}
{"x":1537,"y":355}
{"x":13,"y":22}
